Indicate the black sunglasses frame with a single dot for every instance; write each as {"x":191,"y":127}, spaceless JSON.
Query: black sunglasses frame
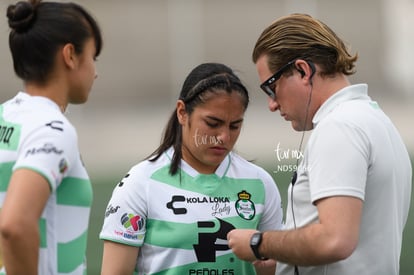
{"x":268,"y":85}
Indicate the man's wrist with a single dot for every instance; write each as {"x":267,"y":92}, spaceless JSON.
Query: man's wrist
{"x":255,"y":242}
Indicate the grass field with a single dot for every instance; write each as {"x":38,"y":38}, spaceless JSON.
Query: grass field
{"x":103,"y":189}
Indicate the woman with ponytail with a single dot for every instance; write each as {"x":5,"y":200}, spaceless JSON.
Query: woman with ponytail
{"x":45,"y":192}
{"x":171,"y":213}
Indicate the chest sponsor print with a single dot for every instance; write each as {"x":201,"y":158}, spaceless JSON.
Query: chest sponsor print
{"x":220,"y":206}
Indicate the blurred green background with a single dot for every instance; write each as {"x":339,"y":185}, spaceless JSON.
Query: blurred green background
{"x":103,"y":188}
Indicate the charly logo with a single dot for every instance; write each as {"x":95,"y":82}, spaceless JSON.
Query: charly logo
{"x":55,"y":125}
{"x":121,"y":183}
{"x":177,"y":210}
{"x":244,"y":206}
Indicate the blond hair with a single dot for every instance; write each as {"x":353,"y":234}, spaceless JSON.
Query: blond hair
{"x":302,"y":36}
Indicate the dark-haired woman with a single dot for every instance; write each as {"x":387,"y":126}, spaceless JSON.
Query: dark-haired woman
{"x":171,"y":213}
{"x":45,"y":192}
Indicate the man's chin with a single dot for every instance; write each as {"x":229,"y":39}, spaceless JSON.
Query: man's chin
{"x":299,"y":127}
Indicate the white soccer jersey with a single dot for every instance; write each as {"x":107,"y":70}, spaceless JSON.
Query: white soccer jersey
{"x":355,"y":150}
{"x":181,"y":222}
{"x":35,"y":135}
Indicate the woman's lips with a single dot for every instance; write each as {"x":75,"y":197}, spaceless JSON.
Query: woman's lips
{"x":218,"y":150}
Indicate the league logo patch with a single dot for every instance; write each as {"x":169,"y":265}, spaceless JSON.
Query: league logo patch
{"x":134,"y":221}
{"x":244,"y":206}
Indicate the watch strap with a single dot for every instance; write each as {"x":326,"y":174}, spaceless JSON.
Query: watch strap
{"x":255,"y":242}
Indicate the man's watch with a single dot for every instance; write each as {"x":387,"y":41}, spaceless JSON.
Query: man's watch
{"x":255,"y":242}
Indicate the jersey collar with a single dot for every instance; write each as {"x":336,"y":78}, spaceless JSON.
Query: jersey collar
{"x":352,"y":92}
{"x":187,"y":168}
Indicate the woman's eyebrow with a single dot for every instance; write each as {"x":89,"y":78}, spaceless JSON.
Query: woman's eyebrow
{"x":222,"y":121}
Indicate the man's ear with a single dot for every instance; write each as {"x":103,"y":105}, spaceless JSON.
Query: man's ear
{"x":69,"y":55}
{"x":181,"y":112}
{"x":305,"y":68}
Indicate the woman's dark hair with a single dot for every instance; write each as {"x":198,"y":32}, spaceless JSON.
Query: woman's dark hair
{"x":202,"y":81}
{"x":39,"y":29}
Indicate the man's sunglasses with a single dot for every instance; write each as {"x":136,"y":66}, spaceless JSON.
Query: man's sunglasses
{"x":269,"y":85}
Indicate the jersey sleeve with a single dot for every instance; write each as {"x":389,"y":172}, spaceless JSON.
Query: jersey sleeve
{"x":50,"y":150}
{"x":272,"y":218}
{"x":126,"y":212}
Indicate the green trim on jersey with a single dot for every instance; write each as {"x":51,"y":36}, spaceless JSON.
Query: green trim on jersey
{"x":81,"y":187}
{"x":67,"y":260}
{"x":123,"y":242}
{"x":5,"y":175}
{"x":43,"y":232}
{"x":164,"y":230}
{"x":207,"y":184}
{"x":189,"y":232}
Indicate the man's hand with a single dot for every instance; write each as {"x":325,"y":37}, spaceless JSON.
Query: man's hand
{"x":239,"y":242}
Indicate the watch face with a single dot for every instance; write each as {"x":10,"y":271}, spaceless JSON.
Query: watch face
{"x":255,"y":239}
